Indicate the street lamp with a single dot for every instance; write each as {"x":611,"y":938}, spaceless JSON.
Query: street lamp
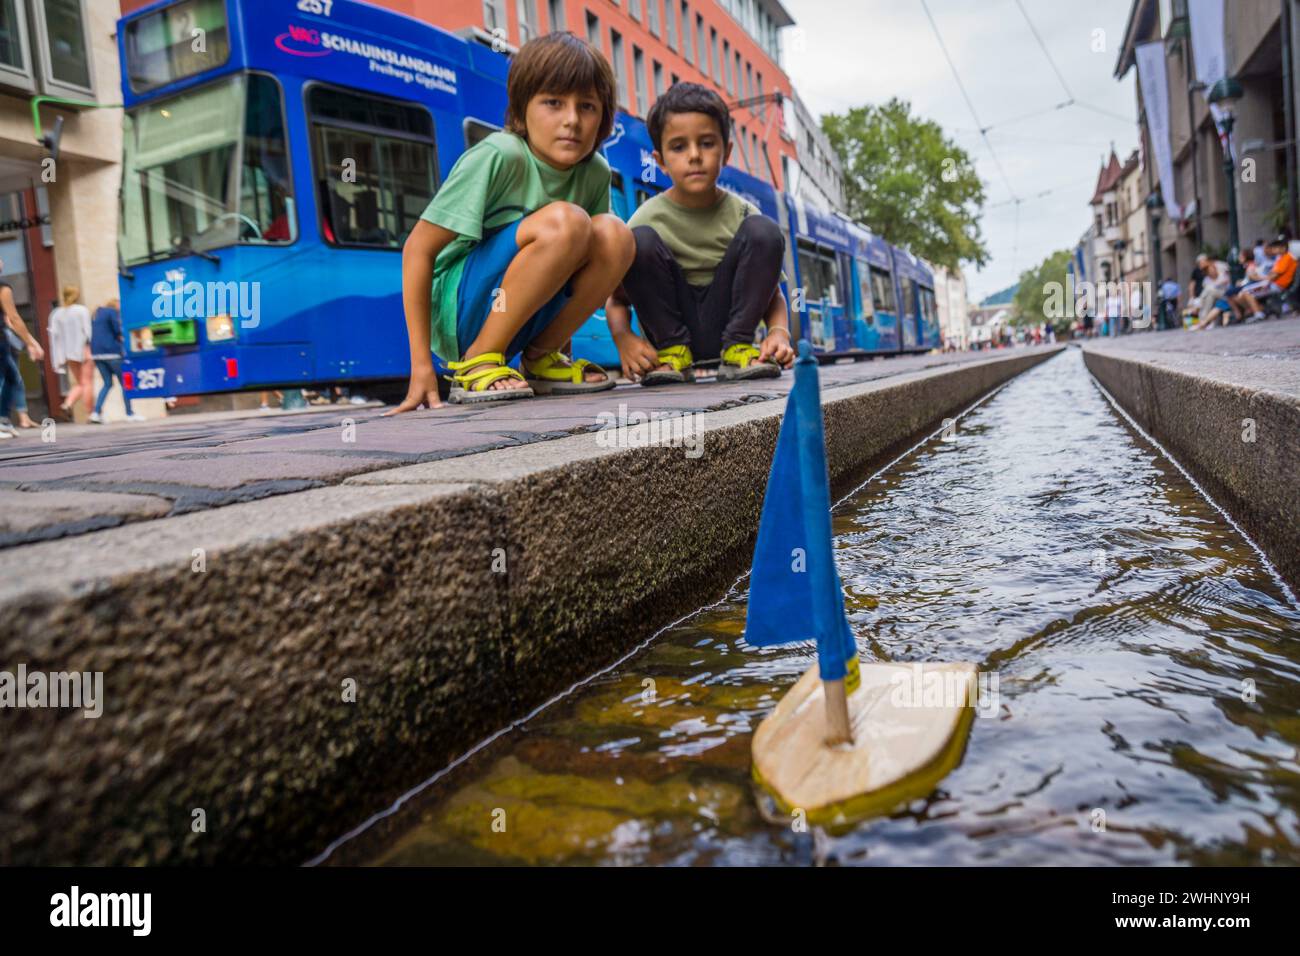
{"x":1154,"y":205}
{"x":1225,"y":94}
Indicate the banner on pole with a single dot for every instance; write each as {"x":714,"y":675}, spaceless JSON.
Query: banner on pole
{"x":1154,"y":83}
{"x":1209,"y":55}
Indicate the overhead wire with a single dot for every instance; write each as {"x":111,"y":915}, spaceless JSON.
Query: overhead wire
{"x":966,"y":96}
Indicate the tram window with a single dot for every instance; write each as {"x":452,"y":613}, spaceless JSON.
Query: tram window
{"x":864,"y":288}
{"x":265,"y":192}
{"x":928,"y":306}
{"x":831,"y":278}
{"x":882,"y":291}
{"x":909,"y":298}
{"x":810,"y":275}
{"x":160,"y":47}
{"x":374,"y":161}
{"x":820,"y":277}
{"x":641,"y":197}
{"x":180,"y":172}
{"x":476,"y":131}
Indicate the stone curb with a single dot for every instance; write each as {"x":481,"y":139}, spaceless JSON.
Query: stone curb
{"x":1229,"y":425}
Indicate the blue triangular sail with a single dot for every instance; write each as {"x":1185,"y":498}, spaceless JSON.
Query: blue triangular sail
{"x":794,"y":590}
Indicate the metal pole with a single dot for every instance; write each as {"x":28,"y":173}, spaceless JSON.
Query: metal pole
{"x":1191,"y":126}
{"x":1229,"y":170}
{"x":1288,"y":93}
{"x":1158,"y":303}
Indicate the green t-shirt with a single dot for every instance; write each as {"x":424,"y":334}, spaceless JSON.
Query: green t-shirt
{"x":493,"y":184}
{"x":697,"y":238}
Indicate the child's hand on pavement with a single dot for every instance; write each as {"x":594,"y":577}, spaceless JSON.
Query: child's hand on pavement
{"x":776,"y":348}
{"x":422,"y":391}
{"x":637,"y":355}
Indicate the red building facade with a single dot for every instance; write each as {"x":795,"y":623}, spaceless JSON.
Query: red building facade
{"x":730,"y":45}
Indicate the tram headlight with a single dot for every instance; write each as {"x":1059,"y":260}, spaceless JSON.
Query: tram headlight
{"x":142,"y":340}
{"x":220,"y":328}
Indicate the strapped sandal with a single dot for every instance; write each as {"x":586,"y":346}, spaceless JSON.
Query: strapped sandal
{"x":680,"y":358}
{"x":740,"y":363}
{"x":472,"y":380}
{"x":555,"y":374}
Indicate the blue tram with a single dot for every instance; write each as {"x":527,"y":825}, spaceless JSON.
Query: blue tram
{"x":278,"y":152}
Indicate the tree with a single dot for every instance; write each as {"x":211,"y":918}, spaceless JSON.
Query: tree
{"x":906,"y":181}
{"x":1042,"y":295}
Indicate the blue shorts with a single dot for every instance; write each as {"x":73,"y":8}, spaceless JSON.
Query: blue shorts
{"x":485,"y":267}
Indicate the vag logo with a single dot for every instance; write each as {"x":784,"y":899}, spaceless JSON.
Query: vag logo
{"x":299,"y":40}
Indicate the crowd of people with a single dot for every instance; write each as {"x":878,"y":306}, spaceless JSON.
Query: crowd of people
{"x":1269,"y":270}
{"x":79,"y":344}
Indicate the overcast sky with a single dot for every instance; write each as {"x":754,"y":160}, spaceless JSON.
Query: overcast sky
{"x":866,"y":51}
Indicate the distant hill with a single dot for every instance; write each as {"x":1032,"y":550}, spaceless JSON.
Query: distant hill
{"x":1001,"y":298}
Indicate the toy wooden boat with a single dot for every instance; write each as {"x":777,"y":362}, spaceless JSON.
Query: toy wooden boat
{"x":898,"y":750}
{"x":848,"y":740}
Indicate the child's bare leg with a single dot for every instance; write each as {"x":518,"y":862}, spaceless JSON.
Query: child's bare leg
{"x":551,"y":242}
{"x":608,"y":257}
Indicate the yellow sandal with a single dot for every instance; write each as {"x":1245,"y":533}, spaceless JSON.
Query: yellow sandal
{"x":555,"y":374}
{"x":472,"y":380}
{"x":680,"y":359}
{"x":740,"y":363}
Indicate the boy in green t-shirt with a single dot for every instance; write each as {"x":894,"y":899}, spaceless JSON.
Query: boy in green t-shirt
{"x":518,"y":248}
{"x":708,"y":264}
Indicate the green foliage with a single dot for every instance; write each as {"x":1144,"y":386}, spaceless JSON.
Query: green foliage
{"x":1280,"y":213}
{"x":1043,"y":294}
{"x":906,"y":181}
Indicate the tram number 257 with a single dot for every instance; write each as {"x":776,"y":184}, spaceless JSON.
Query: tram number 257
{"x":147,"y":378}
{"x":323,"y":7}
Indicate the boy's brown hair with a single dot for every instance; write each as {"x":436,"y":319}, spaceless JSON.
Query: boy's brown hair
{"x":688,"y":98}
{"x":559,"y":63}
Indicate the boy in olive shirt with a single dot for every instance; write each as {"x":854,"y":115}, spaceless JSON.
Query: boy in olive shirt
{"x":708,"y":263}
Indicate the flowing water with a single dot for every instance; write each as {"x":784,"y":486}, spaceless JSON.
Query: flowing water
{"x":1146,"y":659}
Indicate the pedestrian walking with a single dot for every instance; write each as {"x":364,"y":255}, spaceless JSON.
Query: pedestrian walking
{"x":70,"y":347}
{"x":107,"y":350}
{"x":13,"y":394}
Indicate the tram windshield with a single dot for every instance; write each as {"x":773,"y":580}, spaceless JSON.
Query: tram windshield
{"x":205,"y":169}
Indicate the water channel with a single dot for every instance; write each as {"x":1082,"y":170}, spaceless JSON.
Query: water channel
{"x":1146,"y":659}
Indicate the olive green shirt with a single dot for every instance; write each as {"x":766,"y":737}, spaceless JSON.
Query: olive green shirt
{"x":493,"y":184}
{"x":697,"y":238}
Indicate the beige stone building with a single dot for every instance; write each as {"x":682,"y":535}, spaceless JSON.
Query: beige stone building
{"x":65,"y":49}
{"x":1258,"y":41}
{"x":953,"y":307}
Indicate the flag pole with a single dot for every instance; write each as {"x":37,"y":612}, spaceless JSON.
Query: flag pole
{"x":838,"y":729}
{"x":821,"y":562}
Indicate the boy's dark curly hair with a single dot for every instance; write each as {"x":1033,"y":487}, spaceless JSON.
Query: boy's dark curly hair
{"x":688,"y":98}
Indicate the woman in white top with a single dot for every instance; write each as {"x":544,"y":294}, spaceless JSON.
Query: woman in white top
{"x":70,"y":347}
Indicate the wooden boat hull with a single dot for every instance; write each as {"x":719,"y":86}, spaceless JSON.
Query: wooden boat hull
{"x":910,"y":723}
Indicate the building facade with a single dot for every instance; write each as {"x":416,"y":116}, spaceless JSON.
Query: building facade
{"x":58,"y":220}
{"x":953,"y":307}
{"x":813,"y":173}
{"x":1134,"y":259}
{"x":1259,"y":37}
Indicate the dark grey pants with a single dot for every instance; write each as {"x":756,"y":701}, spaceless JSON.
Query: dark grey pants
{"x":711,"y":317}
